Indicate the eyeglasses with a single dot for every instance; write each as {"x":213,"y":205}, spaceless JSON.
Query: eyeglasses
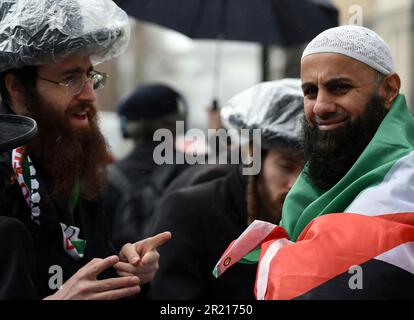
{"x":76,"y":84}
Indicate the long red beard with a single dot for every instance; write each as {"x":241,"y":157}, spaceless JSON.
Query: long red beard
{"x":68,"y":154}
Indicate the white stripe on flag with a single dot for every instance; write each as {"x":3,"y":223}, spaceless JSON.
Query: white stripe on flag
{"x":250,"y":239}
{"x":264,"y":265}
{"x":401,"y":256}
{"x":394,"y":194}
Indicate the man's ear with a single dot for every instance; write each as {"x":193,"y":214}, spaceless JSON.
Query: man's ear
{"x":16,"y":92}
{"x":391,"y":87}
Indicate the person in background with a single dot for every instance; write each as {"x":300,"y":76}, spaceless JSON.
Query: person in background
{"x":136,"y":182}
{"x":206,"y":216}
{"x":347,"y":224}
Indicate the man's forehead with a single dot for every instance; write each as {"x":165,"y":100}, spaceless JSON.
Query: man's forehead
{"x":332,"y":65}
{"x":72,"y":64}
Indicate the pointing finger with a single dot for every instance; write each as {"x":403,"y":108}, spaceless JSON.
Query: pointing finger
{"x":154,"y":242}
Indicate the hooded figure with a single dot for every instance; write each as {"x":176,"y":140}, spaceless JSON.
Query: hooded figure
{"x":206,"y":216}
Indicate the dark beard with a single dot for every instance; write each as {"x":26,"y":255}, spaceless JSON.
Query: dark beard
{"x":330,"y":155}
{"x":69,"y":155}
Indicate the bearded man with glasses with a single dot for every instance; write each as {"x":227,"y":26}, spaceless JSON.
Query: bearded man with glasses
{"x":48,"y":51}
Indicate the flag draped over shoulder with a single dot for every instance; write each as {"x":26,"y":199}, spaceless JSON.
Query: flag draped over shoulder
{"x":389,"y":156}
{"x":354,"y":241}
{"x":342,"y":256}
{"x":337,"y":256}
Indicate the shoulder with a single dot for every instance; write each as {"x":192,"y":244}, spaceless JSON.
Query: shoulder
{"x":188,"y":206}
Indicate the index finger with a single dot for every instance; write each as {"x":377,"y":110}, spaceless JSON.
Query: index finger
{"x":155,"y":241}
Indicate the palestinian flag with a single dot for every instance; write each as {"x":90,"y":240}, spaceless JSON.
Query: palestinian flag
{"x":337,"y":256}
{"x":343,"y":256}
{"x":354,"y":241}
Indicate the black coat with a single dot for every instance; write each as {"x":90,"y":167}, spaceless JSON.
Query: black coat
{"x":48,"y":238}
{"x":197,"y":174}
{"x":204,"y":219}
{"x":17,"y":261}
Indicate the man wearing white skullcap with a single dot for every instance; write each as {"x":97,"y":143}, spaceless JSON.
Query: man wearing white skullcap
{"x":360,"y":159}
{"x":349,"y":84}
{"x":350,"y":212}
{"x":276,"y":107}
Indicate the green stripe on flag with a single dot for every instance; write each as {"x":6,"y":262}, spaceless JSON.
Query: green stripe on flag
{"x":252,"y":257}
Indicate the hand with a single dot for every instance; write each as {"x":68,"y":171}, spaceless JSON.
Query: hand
{"x":141,"y":258}
{"x":83,"y":285}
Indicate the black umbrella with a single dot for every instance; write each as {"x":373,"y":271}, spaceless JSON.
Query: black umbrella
{"x":269,"y":22}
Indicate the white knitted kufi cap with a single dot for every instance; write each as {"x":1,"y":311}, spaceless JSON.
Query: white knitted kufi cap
{"x":356,"y":42}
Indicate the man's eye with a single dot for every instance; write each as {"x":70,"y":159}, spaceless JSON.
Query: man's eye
{"x":68,"y":80}
{"x":71,"y":79}
{"x":285,"y":165}
{"x":310,"y":92}
{"x":340,"y":87}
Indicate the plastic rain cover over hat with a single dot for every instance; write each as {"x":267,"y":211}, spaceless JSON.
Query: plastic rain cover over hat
{"x":36,"y":32}
{"x":275,"y":107}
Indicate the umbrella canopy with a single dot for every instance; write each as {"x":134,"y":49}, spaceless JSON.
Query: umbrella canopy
{"x":270,"y":22}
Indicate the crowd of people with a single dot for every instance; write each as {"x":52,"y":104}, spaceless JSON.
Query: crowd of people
{"x":334,"y":189}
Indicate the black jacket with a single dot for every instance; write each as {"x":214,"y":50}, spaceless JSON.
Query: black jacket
{"x":203,"y":219}
{"x":47,"y":237}
{"x":17,"y":261}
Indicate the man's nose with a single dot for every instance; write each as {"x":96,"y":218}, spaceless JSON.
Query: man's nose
{"x":88,"y":93}
{"x":324,"y":104}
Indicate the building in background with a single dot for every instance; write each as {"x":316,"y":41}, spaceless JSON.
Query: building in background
{"x":393,"y":21}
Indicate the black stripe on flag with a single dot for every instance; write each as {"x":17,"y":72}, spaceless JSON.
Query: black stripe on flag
{"x":380,"y":280}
